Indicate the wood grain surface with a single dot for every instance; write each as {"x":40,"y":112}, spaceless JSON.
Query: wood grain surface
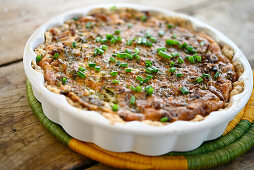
{"x":24,"y":143}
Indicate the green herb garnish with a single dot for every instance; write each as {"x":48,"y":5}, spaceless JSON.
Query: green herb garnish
{"x":184,"y":90}
{"x":97,"y":68}
{"x":217,"y":74}
{"x":91,"y":64}
{"x":115,"y":107}
{"x":149,"y":89}
{"x":38,"y":58}
{"x":115,"y":81}
{"x":164,"y":119}
{"x":114,"y":73}
{"x":133,"y":100}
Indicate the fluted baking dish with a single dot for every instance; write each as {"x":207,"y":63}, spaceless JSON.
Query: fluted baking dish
{"x":91,"y":126}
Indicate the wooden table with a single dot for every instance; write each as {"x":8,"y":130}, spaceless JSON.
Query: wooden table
{"x":24,"y":143}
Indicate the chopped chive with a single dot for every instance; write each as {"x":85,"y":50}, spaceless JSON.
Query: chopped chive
{"x":81,"y":74}
{"x":115,"y":81}
{"x":97,"y":68}
{"x":56,"y":55}
{"x":175,"y":54}
{"x":184,"y":45}
{"x":118,"y":38}
{"x":115,"y":107}
{"x":149,"y":44}
{"x":82,"y":69}
{"x":137,"y":57}
{"x":64,"y":80}
{"x":149,"y":89}
{"x":149,"y":70}
{"x":144,"y":41}
{"x":180,"y":60}
{"x":133,"y":88}
{"x":104,"y":47}
{"x":109,"y":36}
{"x":146,"y":80}
{"x":198,"y":57}
{"x":139,"y":78}
{"x":129,"y":25}
{"x":139,"y":41}
{"x":104,"y":40}
{"x":190,"y":50}
{"x":117,"y":31}
{"x":148,"y":63}
{"x":113,"y":40}
{"x":98,"y":39}
{"x":95,"y":52}
{"x":89,"y":24}
{"x":172,"y":42}
{"x":164,"y":54}
{"x":172,"y":64}
{"x":130,"y":56}
{"x":112,"y":59}
{"x":191,"y":59}
{"x":132,"y":101}
{"x":172,"y":70}
{"x":128,"y":51}
{"x":128,"y":70}
{"x":118,"y":63}
{"x":122,"y":55}
{"x":161,"y":49}
{"x":148,"y":34}
{"x":205,"y":75}
{"x":164,"y":119}
{"x":217,"y":74}
{"x":155,"y":69}
{"x":149,"y":76}
{"x":38,"y":58}
{"x":124,"y":65}
{"x":91,"y":64}
{"x":112,"y":8}
{"x":174,"y":36}
{"x":74,"y":44}
{"x":161,"y":33}
{"x":179,"y":75}
{"x":129,"y":42}
{"x":184,"y":90}
{"x":170,"y":26}
{"x":138,"y":89}
{"x":143,"y":18}
{"x":98,"y":51}
{"x":136,"y":50}
{"x":199,"y":79}
{"x":113,"y":73}
{"x":153,"y":40}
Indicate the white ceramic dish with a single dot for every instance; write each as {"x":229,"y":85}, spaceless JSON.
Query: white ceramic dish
{"x":133,"y":136}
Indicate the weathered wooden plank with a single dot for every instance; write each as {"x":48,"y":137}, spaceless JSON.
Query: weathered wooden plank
{"x":24,"y":143}
{"x":233,"y":18}
{"x":18,"y":19}
{"x":101,"y":167}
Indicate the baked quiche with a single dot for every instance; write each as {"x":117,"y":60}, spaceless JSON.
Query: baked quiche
{"x":132,"y":65}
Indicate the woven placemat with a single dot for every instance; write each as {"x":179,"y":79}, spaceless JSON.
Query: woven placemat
{"x":236,"y":140}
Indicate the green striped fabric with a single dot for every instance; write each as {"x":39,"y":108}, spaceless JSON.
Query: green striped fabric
{"x":209,"y":154}
{"x":52,"y":127}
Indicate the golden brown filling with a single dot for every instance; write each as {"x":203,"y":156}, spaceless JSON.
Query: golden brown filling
{"x":137,"y":65}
